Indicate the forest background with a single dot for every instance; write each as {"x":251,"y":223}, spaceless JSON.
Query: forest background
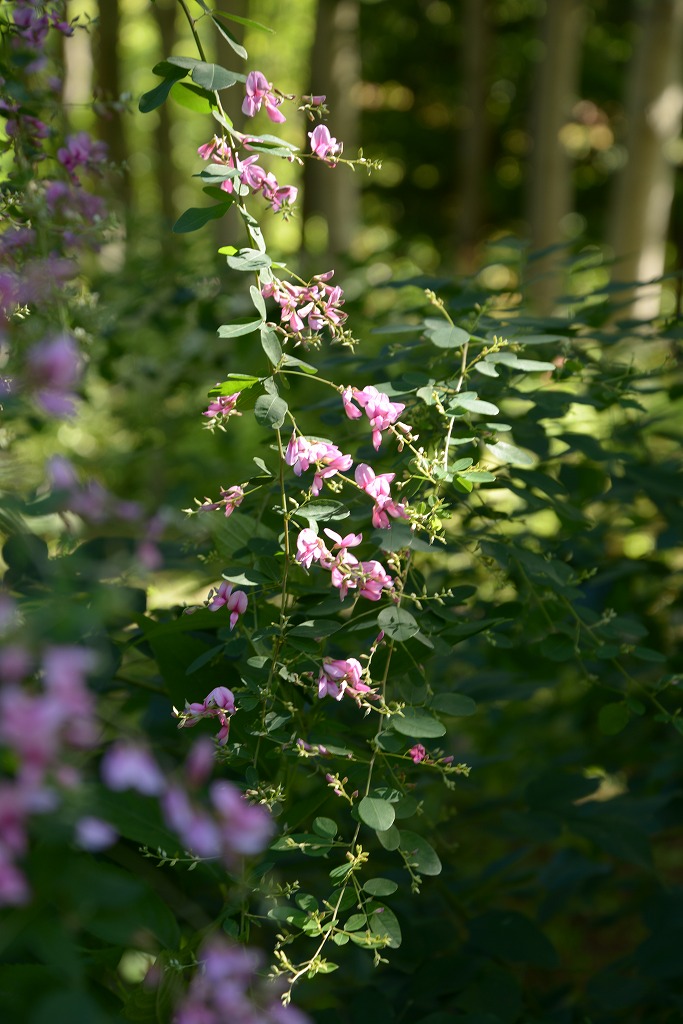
{"x":530,"y":152}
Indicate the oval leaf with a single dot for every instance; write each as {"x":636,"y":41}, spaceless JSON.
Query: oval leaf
{"x":448,"y":337}
{"x":270,"y":411}
{"x":213,"y":77}
{"x":421,"y":856}
{"x":245,"y":325}
{"x":376,"y":813}
{"x":397,"y":623}
{"x":510,"y":454}
{"x":380,"y":886}
{"x":197,"y":216}
{"x":417,"y":724}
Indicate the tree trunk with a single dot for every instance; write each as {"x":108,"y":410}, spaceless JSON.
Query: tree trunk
{"x":550,"y":197}
{"x":108,"y":86}
{"x":166,"y":174}
{"x":334,"y":194}
{"x":644,"y":188}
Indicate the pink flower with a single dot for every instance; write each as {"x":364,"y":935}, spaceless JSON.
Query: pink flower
{"x":220,"y":704}
{"x":216,"y":145}
{"x":336,"y":676}
{"x":417,"y":753}
{"x":378,"y":487}
{"x":260,"y":91}
{"x":322,"y":143}
{"x":129,"y":766}
{"x":315,"y":305}
{"x":374,"y":580}
{"x":223,"y":407}
{"x":381,"y":412}
{"x":302,"y":453}
{"x":236,"y":602}
{"x":311,"y":548}
{"x":230,"y":500}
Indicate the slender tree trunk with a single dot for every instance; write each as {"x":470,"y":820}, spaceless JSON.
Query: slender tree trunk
{"x":108,"y":87}
{"x":474,"y":144}
{"x":644,"y":189}
{"x":550,"y":197}
{"x":335,"y":71}
{"x":165,"y":13}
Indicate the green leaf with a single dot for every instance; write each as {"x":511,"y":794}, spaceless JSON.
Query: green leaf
{"x":235,"y":382}
{"x":417,"y":724}
{"x":159,"y":94}
{"x":258,"y":301}
{"x":270,"y":344}
{"x":355,"y":922}
{"x":455,"y":704}
{"x":213,"y":77}
{"x":422,"y":857}
{"x":322,"y":510}
{"x":288,"y":360}
{"x":390,"y":838}
{"x":448,"y":337}
{"x":380,"y":886}
{"x":196,"y":217}
{"x":229,"y":38}
{"x":613,"y":718}
{"x":249,"y":260}
{"x":270,"y":411}
{"x":469,"y":401}
{"x":325,"y":827}
{"x":397,"y":623}
{"x":376,"y":813}
{"x":192,"y":97}
{"x":510,"y":454}
{"x":246,"y":577}
{"x":383,"y":922}
{"x":244,"y":325}
{"x":248,"y":22}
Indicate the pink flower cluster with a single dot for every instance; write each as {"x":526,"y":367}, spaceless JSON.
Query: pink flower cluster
{"x":301,"y":454}
{"x":324,"y":145}
{"x":341,"y":676}
{"x":260,"y":91}
{"x":223,"y":407}
{"x":39,"y":728}
{"x":234,"y":600}
{"x":315,"y":305}
{"x":229,"y":501}
{"x":220,"y":704}
{"x":228,"y":986}
{"x":346,"y":571}
{"x":249,"y":173}
{"x":378,"y":487}
{"x":381,"y":412}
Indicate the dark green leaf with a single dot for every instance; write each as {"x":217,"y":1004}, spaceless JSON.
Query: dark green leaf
{"x":380,"y":886}
{"x":270,"y":411}
{"x":197,"y":217}
{"x":397,"y":623}
{"x":417,"y":724}
{"x":421,"y":856}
